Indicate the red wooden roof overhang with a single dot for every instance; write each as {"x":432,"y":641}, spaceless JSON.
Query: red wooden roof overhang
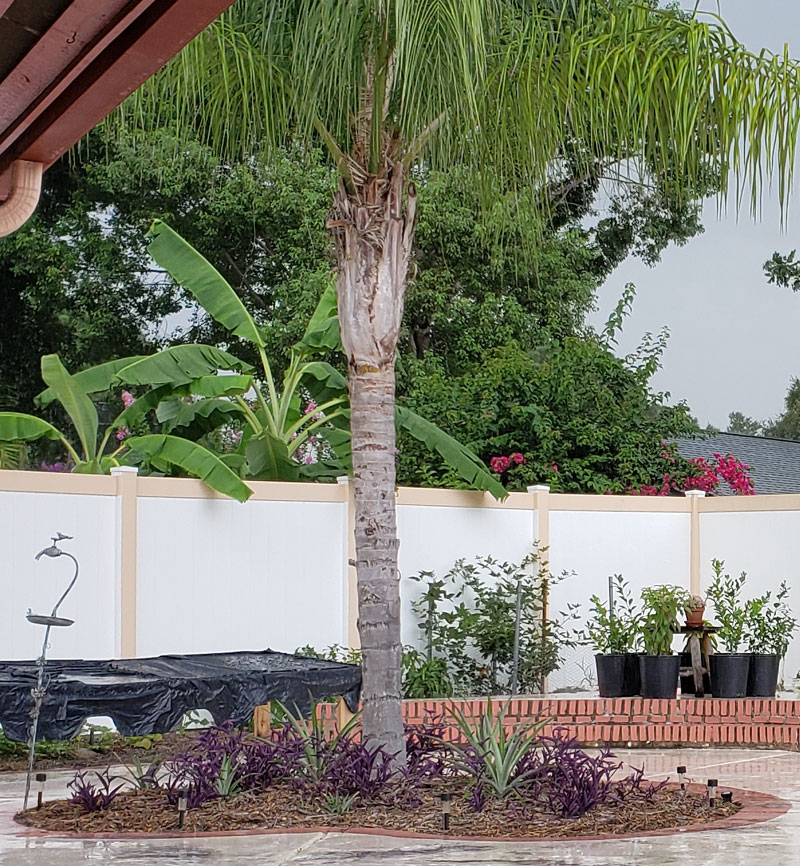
{"x":65,"y":65}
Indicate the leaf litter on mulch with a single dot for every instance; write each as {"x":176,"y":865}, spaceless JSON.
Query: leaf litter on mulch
{"x":281,"y":807}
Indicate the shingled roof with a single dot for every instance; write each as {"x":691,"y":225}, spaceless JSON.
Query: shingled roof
{"x":774,"y":463}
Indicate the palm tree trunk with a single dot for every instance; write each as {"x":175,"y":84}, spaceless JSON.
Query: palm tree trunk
{"x":373,"y":229}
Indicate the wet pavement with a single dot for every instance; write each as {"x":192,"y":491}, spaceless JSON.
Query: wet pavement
{"x":775,"y":841}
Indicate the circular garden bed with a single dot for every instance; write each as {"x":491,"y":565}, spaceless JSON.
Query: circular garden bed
{"x":492,"y":782}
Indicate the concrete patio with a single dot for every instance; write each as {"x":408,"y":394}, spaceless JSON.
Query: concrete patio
{"x":775,"y":842}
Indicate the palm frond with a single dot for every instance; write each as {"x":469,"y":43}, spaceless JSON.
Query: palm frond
{"x":487,"y":83}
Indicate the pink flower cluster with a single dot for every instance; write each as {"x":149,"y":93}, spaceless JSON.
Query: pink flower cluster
{"x":705,"y":476}
{"x":127,"y":398}
{"x":501,"y":464}
{"x":733,"y":471}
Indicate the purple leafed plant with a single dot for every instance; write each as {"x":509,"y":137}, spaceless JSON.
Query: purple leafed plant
{"x":356,"y":768}
{"x":568,"y":782}
{"x":565,"y":779}
{"x":91,"y":797}
{"x":425,"y":757}
{"x":633,"y":787}
{"x":257,"y":763}
{"x":477,"y":797}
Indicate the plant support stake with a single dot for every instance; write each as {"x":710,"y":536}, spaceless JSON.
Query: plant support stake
{"x":517,"y":617}
{"x":53,"y":620}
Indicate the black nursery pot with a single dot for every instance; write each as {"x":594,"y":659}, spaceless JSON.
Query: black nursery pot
{"x":617,"y":675}
{"x":729,"y":672}
{"x":762,"y":681}
{"x":659,"y":676}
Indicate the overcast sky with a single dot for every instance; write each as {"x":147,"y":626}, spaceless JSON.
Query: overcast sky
{"x":735,"y":339}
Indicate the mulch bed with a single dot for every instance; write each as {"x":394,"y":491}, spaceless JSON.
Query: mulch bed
{"x":81,"y":753}
{"x":281,"y":808}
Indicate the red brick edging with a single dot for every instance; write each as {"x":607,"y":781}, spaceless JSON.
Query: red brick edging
{"x":765,"y":723}
{"x":758,"y":807}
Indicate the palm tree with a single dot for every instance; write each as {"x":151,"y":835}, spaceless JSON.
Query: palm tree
{"x":396,"y":87}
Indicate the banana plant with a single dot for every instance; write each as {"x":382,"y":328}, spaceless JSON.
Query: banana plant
{"x":97,"y":454}
{"x":277,"y":426}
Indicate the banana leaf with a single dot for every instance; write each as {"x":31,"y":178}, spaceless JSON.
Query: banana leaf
{"x":323,"y":470}
{"x":12,"y":454}
{"x":268,"y":459}
{"x":193,"y":420}
{"x":179,"y":365}
{"x":322,"y":331}
{"x":220,"y":386}
{"x":92,"y":381}
{"x":195,"y":273}
{"x":141,"y":406}
{"x":75,"y":401}
{"x":194,"y":459}
{"x":468,"y":465}
{"x":18,"y":427}
{"x":323,"y":382}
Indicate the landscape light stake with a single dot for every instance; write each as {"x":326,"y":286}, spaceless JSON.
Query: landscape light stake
{"x":41,"y":778}
{"x":182,"y":806}
{"x":40,"y":689}
{"x":727,"y":796}
{"x":447,"y":805}
{"x":712,"y":792}
{"x":682,"y":778}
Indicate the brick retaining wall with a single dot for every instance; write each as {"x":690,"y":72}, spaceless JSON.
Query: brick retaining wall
{"x":643,"y":722}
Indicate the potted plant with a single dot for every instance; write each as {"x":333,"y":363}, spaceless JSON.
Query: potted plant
{"x":659,"y":668}
{"x":694,"y":612}
{"x":728,"y":670}
{"x":768,"y":627}
{"x":613,"y":634}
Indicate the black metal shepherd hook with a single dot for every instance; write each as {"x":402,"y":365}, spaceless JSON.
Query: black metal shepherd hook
{"x":53,"y":620}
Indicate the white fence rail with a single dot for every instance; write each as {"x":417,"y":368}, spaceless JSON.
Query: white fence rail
{"x":167,"y":566}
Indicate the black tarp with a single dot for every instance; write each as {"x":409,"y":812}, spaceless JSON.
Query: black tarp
{"x":151,"y":695}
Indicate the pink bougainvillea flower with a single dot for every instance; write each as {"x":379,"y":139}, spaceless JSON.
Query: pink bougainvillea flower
{"x":127,"y":398}
{"x":499,"y":464}
{"x":517,"y":457}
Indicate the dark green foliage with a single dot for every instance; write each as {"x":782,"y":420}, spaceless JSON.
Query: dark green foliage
{"x":584,"y":420}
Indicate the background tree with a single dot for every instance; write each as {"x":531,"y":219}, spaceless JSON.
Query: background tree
{"x":739,"y":423}
{"x":784,"y":426}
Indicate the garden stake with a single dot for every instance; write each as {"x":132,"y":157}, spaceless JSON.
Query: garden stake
{"x":515,"y":667}
{"x":40,"y":689}
{"x":447,"y":805}
{"x":41,"y":778}
{"x":712,"y":792}
{"x":682,"y":778}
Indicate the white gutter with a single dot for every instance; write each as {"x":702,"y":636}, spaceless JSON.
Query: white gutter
{"x":26,"y":187}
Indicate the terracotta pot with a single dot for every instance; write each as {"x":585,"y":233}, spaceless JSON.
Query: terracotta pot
{"x":694,"y":617}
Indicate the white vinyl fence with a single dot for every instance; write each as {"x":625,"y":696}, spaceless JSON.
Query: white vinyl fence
{"x":168,"y":567}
